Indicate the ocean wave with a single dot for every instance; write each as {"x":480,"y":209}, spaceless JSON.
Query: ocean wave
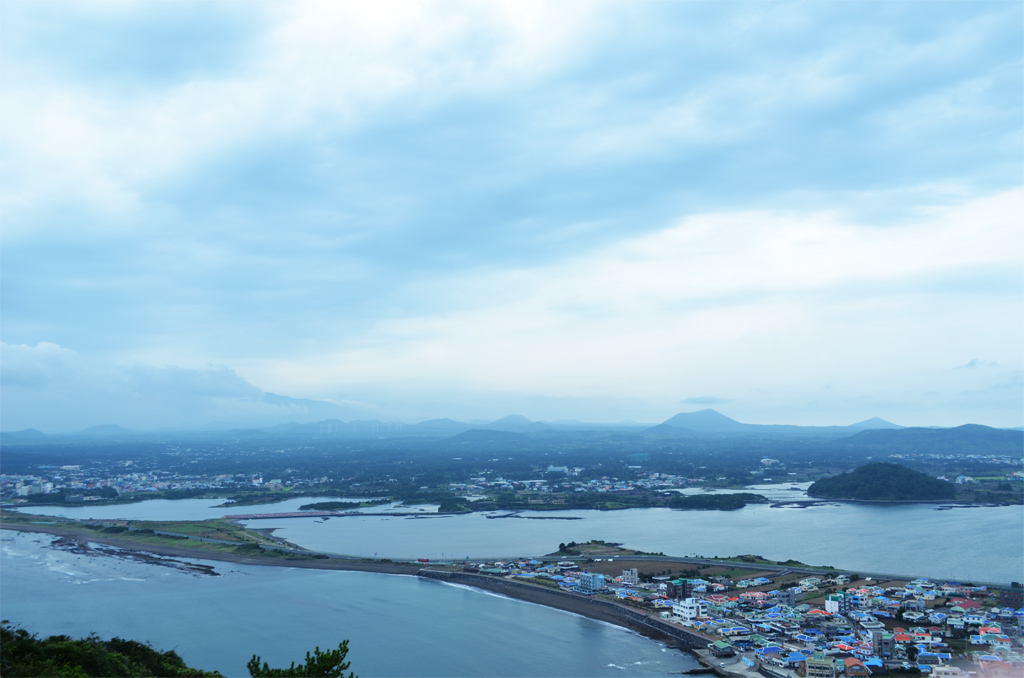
{"x":476,"y":590}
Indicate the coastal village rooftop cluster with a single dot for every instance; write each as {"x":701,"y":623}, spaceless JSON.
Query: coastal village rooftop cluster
{"x":822,"y":627}
{"x":76,"y":482}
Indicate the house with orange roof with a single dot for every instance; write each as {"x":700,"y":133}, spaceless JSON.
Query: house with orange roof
{"x":854,"y":668}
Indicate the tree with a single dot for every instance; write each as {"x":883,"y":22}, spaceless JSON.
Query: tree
{"x":318,"y":663}
{"x":25,"y":654}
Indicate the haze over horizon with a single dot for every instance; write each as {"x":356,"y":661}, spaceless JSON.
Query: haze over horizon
{"x":707,"y":419}
{"x":793,"y":213}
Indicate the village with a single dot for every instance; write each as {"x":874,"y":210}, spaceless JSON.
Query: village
{"x":782,"y":623}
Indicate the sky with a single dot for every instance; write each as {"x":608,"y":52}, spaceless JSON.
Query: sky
{"x":791,"y":212}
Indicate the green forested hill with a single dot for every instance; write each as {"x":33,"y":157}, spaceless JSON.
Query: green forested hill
{"x":26,"y":655}
{"x":885,"y":482}
{"x":23,"y":654}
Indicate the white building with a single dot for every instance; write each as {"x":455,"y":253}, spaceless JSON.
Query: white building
{"x":837,"y":603}
{"x":630,"y":577}
{"x":690,"y":610}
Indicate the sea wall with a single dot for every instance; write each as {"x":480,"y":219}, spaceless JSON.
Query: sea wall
{"x":578,"y":603}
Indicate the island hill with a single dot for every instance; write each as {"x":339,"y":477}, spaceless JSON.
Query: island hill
{"x":881,"y":481}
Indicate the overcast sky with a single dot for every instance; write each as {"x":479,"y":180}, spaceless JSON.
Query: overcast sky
{"x":804,"y":213}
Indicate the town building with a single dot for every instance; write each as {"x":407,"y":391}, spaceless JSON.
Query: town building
{"x":678,"y":589}
{"x":837,"y":603}
{"x":690,"y":610}
{"x":820,"y":665}
{"x":590,"y":582}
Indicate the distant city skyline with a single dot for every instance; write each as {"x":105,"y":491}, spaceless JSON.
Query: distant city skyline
{"x":796,"y":213}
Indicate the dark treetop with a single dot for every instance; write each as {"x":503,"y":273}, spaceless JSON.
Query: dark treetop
{"x":883,"y":482}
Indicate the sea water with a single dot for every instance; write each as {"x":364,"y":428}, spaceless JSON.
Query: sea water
{"x":396,"y":625}
{"x":978,"y":543}
{"x":983,"y":544}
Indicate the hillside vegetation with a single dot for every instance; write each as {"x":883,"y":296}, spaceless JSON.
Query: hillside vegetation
{"x":24,"y":654}
{"x":883,"y":482}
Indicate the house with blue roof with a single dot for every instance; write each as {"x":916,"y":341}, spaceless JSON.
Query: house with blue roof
{"x":794,"y":658}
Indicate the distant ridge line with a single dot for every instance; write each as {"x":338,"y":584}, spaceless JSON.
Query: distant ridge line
{"x":681,"y":427}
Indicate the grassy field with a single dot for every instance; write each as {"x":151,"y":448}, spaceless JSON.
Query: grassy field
{"x":187,"y":534}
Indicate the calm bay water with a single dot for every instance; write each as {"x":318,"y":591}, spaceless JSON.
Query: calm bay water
{"x":189,"y":509}
{"x":984,"y":544}
{"x":396,"y":625}
{"x":980,"y":544}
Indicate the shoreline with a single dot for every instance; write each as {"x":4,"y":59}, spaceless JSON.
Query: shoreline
{"x":953,"y":503}
{"x":384,"y":566}
{"x":591,"y":608}
{"x":353,"y":565}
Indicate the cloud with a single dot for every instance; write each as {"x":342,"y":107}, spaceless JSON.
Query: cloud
{"x":501,"y":126}
{"x":38,"y":365}
{"x":57,"y":389}
{"x":974,"y":364}
{"x":705,"y":400}
{"x":129,"y":44}
{"x":564,"y":197}
{"x":213,"y":382}
{"x":718,"y":302}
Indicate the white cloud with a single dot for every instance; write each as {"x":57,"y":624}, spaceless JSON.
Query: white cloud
{"x":58,"y":390}
{"x":480,"y":196}
{"x":325,"y":65}
{"x":724,"y":303}
{"x":37,"y":365}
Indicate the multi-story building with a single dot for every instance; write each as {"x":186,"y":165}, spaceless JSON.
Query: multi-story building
{"x":677,"y":589}
{"x":690,"y":610}
{"x":837,"y":603}
{"x":820,"y":665}
{"x":590,"y":582}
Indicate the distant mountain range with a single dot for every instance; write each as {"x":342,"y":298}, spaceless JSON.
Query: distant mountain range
{"x":684,"y":427}
{"x":711,"y":422}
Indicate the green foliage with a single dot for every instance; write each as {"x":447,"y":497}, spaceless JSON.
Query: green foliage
{"x":884,"y":482}
{"x":715,"y":502}
{"x":329,"y":506}
{"x":24,"y":654}
{"x":454,"y":505}
{"x":338,"y":505}
{"x":183,"y":494}
{"x":330,"y":663}
{"x":250,"y":549}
